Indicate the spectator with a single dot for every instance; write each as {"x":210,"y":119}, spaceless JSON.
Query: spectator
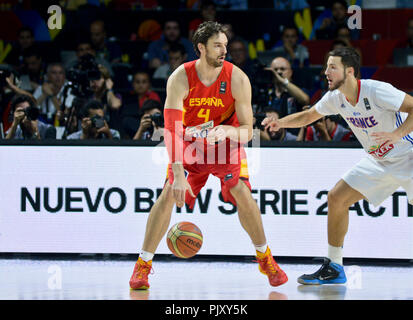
{"x":84,"y":47}
{"x":25,"y":40}
{"x":208,"y":12}
{"x":342,"y":40}
{"x":104,"y":49}
{"x":290,"y":5}
{"x":177,"y":56}
{"x":280,"y":135}
{"x":102,"y":88}
{"x":26,"y":124}
{"x":141,"y":90}
{"x":408,"y":42}
{"x":134,"y":102}
{"x":33,"y":71}
{"x":285,"y":97}
{"x":329,"y":26}
{"x":50,"y":94}
{"x":327,"y":129}
{"x":8,"y":89}
{"x":410,"y":34}
{"x":151,"y":124}
{"x":94,"y":125}
{"x":343,"y":33}
{"x":158,"y":50}
{"x":239,"y":56}
{"x":296,"y":53}
{"x":229,"y":32}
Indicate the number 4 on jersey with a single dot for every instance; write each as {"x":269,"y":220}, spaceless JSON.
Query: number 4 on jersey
{"x":204,"y":113}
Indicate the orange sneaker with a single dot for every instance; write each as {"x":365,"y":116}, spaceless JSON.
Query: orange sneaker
{"x":270,"y":268}
{"x":139,"y":278}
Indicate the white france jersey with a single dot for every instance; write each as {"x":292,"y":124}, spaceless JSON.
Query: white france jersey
{"x":377,"y":110}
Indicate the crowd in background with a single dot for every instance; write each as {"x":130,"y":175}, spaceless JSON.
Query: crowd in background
{"x":81,"y":96}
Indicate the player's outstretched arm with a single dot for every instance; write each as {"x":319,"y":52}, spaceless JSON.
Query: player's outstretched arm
{"x":402,"y":131}
{"x":295,"y":120}
{"x":176,"y":92}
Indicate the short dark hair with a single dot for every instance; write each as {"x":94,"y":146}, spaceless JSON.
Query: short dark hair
{"x":269,"y":109}
{"x":289,"y":27}
{"x":237,"y":39}
{"x":32,"y":51}
{"x":338,"y":41}
{"x":342,"y":2}
{"x":149,"y":105}
{"x":20,"y":98}
{"x":25,"y":29}
{"x":83,"y":40}
{"x":349,"y":58}
{"x":177,"y":47}
{"x":207,"y":3}
{"x":91,"y":105}
{"x":171,"y":20}
{"x":205,"y":31}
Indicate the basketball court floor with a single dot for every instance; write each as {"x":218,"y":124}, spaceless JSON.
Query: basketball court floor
{"x":23,"y":278}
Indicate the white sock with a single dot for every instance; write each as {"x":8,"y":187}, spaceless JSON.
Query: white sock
{"x":146,"y":256}
{"x":335,"y":254}
{"x":262,"y":249}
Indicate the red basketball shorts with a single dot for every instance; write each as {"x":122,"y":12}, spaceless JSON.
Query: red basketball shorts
{"x":229,"y":175}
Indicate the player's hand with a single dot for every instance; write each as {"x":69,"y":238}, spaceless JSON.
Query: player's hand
{"x":179,"y":188}
{"x":217,"y":134}
{"x":271,"y":124}
{"x":385,"y":138}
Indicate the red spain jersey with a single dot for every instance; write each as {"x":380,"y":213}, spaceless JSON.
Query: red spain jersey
{"x":203,"y":109}
{"x":213,"y":104}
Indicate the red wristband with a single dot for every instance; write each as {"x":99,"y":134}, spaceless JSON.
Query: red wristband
{"x":173,"y":134}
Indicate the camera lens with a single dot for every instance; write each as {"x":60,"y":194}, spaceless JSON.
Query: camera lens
{"x":32,"y":113}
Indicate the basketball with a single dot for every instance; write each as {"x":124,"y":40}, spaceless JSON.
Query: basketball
{"x":184,"y":239}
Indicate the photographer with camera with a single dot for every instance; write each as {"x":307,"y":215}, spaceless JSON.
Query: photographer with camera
{"x":50,"y":95}
{"x":90,"y":80}
{"x":287,"y":98}
{"x":94,"y":125}
{"x":26,"y":124}
{"x":328,"y":129}
{"x":152,"y":123}
{"x":9,"y":87}
{"x":102,"y":89}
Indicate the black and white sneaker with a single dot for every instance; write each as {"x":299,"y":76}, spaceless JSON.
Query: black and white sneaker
{"x":329,"y":273}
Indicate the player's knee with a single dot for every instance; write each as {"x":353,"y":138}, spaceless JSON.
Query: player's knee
{"x":334,"y":199}
{"x":337,"y":200}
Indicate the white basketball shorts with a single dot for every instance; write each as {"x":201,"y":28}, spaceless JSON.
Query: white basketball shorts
{"x":377,"y":180}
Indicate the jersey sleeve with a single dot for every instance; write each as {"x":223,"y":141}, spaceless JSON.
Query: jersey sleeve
{"x":325,"y":105}
{"x":388,"y":97}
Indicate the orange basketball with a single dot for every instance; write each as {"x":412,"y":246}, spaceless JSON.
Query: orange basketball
{"x":184,"y":239}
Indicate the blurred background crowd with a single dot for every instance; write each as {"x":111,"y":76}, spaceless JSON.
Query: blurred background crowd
{"x":103,"y":74}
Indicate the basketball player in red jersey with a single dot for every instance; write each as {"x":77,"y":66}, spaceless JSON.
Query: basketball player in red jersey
{"x":207,"y":110}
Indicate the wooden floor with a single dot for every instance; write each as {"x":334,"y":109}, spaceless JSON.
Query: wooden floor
{"x":86,"y":279}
